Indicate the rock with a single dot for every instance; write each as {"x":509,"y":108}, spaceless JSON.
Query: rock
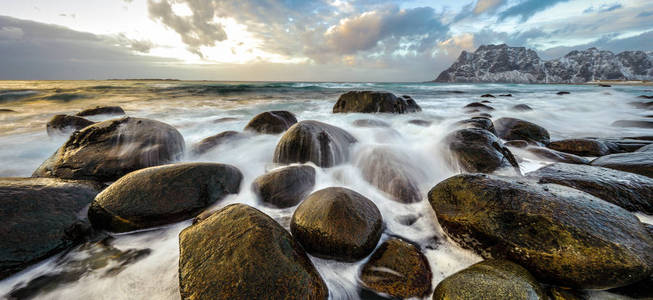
{"x":636,"y":162}
{"x":285,"y":187}
{"x":40,"y":217}
{"x":240,"y":253}
{"x":60,"y":123}
{"x":479,"y":106}
{"x":516,"y":143}
{"x":505,"y":95}
{"x":484,"y":115}
{"x":490,"y":279}
{"x":211,"y":142}
{"x":162,"y":195}
{"x":107,"y":150}
{"x":391,"y":172}
{"x":582,"y":147}
{"x":647,"y":148}
{"x":225,"y":119}
{"x":271,"y":122}
{"x":604,"y":85}
{"x":516,"y":129}
{"x":420,"y":122}
{"x":521,"y":107}
{"x":399,"y":269}
{"x":639,"y":290}
{"x":478,"y":150}
{"x":102,"y":110}
{"x":374,"y":102}
{"x":370,"y":123}
{"x":337,"y":223}
{"x":478,"y":122}
{"x":563,"y":93}
{"x":321,"y":143}
{"x":486,"y":101}
{"x":625,"y":144}
{"x":487,"y":96}
{"x":630,"y":191}
{"x":562,"y":236}
{"x":557,"y":156}
{"x":642,"y":105}
{"x":645,"y":97}
{"x":6,"y":110}
{"x":633,"y":123}
{"x":558,"y":293}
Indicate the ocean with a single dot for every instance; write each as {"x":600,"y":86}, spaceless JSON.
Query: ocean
{"x":198,"y":109}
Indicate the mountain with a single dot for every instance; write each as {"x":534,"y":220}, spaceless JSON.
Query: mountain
{"x":501,"y":63}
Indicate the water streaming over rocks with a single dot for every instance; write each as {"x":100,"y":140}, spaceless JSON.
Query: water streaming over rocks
{"x":202,"y":109}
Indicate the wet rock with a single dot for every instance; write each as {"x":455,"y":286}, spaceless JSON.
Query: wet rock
{"x":630,"y":191}
{"x":370,"y":123}
{"x":516,"y":129}
{"x":487,"y":96}
{"x":521,"y":107}
{"x":561,"y":235}
{"x":557,"y":156}
{"x":271,"y":122}
{"x":582,"y":147}
{"x":478,"y":150}
{"x":563,"y":93}
{"x":374,"y":102}
{"x":211,"y":142}
{"x":636,"y":162}
{"x":420,"y":122}
{"x":40,"y":217}
{"x":102,"y":110}
{"x":647,"y":148}
{"x":285,"y":187}
{"x":6,"y":110}
{"x":60,"y":123}
{"x":399,"y":269}
{"x":490,"y":279}
{"x":645,"y":97}
{"x":558,"y":293}
{"x":516,"y":143}
{"x":639,"y":290}
{"x":505,"y":95}
{"x":484,"y":115}
{"x":478,"y":122}
{"x":390,"y":171}
{"x":107,"y":150}
{"x":321,"y":143}
{"x":337,"y":223}
{"x":162,"y":195}
{"x":240,"y":253}
{"x":486,"y":101}
{"x":642,"y":105}
{"x":479,"y":106}
{"x":626,"y":144}
{"x":633,"y":123}
{"x":225,"y":119}
{"x":604,"y":85}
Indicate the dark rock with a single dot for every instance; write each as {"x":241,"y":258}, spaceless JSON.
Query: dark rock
{"x":370,"y":123}
{"x":484,"y":115}
{"x":478,"y":150}
{"x":102,"y":110}
{"x":647,"y":148}
{"x":225,"y":119}
{"x":487,"y":96}
{"x":420,"y":122}
{"x":374,"y":102}
{"x":240,"y":253}
{"x":642,"y":105}
{"x":516,"y":144}
{"x":162,"y":195}
{"x":211,"y":142}
{"x":6,"y":110}
{"x":563,"y":93}
{"x":626,"y":145}
{"x":390,"y":171}
{"x":561,"y":235}
{"x":558,"y":293}
{"x":639,"y":290}
{"x":516,"y":129}
{"x":557,"y":156}
{"x":321,"y":143}
{"x":60,"y":123}
{"x":107,"y":150}
{"x":645,"y":97}
{"x":40,"y":217}
{"x":271,"y":122}
{"x":642,"y":138}
{"x":582,"y":147}
{"x":285,"y":187}
{"x":506,"y":95}
{"x":399,"y":269}
{"x":636,"y":162}
{"x":337,"y":223}
{"x":604,"y":85}
{"x":521,"y":107}
{"x":479,"y":106}
{"x":630,"y":191}
{"x":492,"y":280}
{"x":486,"y":101}
{"x":633,"y":123}
{"x":478,"y":122}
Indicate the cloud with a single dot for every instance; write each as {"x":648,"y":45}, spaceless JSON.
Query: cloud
{"x":143,"y":46}
{"x":603,"y":8}
{"x":486,"y":5}
{"x":527,"y":8}
{"x":608,"y":42}
{"x":645,"y":14}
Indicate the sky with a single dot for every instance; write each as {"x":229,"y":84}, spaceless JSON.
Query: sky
{"x":297,"y":40}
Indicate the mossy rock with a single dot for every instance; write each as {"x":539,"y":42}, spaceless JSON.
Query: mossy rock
{"x":271,"y":122}
{"x":491,"y":280}
{"x":285,"y":187}
{"x":102,"y":110}
{"x":516,"y":129}
{"x":478,"y":150}
{"x":478,"y":122}
{"x":374,"y":102}
{"x":240,"y":253}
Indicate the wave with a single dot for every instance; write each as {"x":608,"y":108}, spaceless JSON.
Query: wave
{"x":15,"y":95}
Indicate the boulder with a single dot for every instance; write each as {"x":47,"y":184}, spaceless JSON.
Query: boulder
{"x":240,"y":253}
{"x":636,"y":162}
{"x":557,"y":156}
{"x":583,"y":147}
{"x":561,"y":235}
{"x":487,"y":96}
{"x":478,"y":122}
{"x":493,"y":279}
{"x":102,"y":110}
{"x":370,"y":123}
{"x":420,"y":122}
{"x":374,"y":102}
{"x":213,"y":141}
{"x":505,"y":95}
{"x":337,"y":223}
{"x":285,"y":187}
{"x":390,"y":171}
{"x":516,"y":143}
{"x":397,"y":268}
{"x":516,"y":129}
{"x":40,"y":217}
{"x":107,"y":150}
{"x":478,"y":106}
{"x":271,"y":122}
{"x":321,"y":143}
{"x":60,"y":123}
{"x":630,"y":191}
{"x":161,"y":195}
{"x":639,"y":290}
{"x":642,"y":105}
{"x":647,"y":148}
{"x":478,"y":150}
{"x":563,"y":93}
{"x":225,"y":120}
{"x":645,"y":97}
{"x":521,"y":107}
{"x":633,"y":123}
{"x":6,"y":110}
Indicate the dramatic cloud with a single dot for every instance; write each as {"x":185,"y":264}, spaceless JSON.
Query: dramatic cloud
{"x":486,"y":5}
{"x":528,"y":8}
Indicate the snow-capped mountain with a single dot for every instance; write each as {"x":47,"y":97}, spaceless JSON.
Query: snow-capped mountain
{"x":501,"y":63}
